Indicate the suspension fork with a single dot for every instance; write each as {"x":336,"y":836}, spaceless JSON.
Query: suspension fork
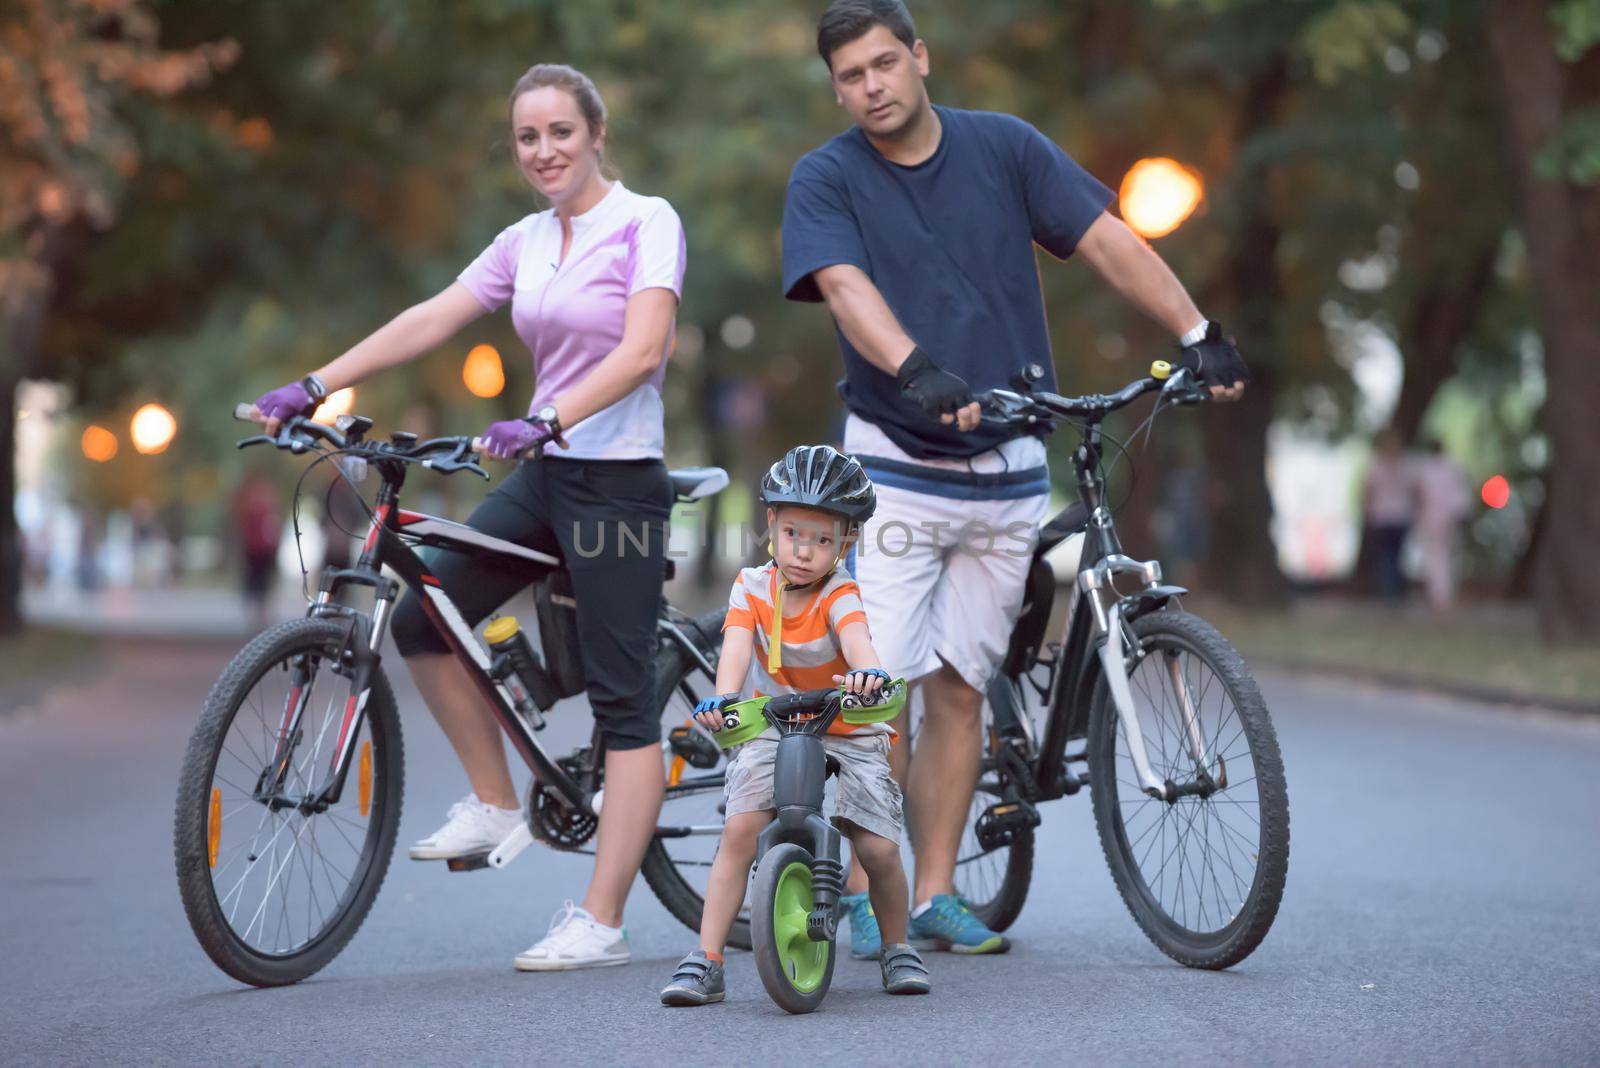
{"x":1096,"y":585}
{"x":1191,"y":721}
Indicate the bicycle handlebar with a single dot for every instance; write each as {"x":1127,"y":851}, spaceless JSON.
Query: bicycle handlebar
{"x":301,"y":434}
{"x":1007,"y":407}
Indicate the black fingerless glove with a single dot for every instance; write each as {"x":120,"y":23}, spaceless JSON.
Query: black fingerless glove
{"x":1215,"y":359}
{"x":938,"y":391}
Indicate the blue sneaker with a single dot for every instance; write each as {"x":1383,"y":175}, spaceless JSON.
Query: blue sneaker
{"x":865,"y":939}
{"x":950,"y":924}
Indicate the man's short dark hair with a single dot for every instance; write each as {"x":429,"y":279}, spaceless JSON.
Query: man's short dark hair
{"x":850,"y":20}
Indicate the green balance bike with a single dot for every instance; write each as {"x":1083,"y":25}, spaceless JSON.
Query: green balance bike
{"x":794,"y":907}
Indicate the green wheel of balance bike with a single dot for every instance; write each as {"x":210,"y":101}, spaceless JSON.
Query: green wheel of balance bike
{"x":795,"y":970}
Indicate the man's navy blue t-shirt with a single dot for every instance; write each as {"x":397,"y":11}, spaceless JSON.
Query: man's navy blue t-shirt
{"x":949,"y":244}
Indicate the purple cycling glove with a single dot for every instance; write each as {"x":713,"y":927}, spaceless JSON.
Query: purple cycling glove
{"x":511,"y":438}
{"x":285,"y":401}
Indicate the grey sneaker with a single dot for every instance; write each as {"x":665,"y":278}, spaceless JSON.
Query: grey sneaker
{"x":698,"y":981}
{"x":903,"y":970}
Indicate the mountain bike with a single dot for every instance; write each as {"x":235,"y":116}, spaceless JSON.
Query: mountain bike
{"x":289,"y":798}
{"x":1144,"y":702}
{"x":794,"y":903}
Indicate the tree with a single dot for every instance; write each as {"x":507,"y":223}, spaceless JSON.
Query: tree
{"x":67,"y":70}
{"x":1551,"y":105}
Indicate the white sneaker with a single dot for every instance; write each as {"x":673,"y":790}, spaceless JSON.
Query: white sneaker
{"x":472,"y":826}
{"x":575,"y":940}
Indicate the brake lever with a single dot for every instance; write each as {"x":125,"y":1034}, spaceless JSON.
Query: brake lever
{"x":463,"y":459}
{"x":1181,"y":388}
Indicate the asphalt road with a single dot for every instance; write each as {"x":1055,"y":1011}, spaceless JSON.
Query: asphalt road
{"x":1443,"y":905}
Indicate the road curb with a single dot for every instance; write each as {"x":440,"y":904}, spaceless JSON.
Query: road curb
{"x":1401,"y":681}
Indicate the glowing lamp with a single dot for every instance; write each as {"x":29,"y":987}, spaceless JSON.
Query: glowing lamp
{"x":99,"y":444}
{"x":337,"y":403}
{"x":1496,"y":491}
{"x":482,"y":373}
{"x":1157,"y":195}
{"x":152,"y":429}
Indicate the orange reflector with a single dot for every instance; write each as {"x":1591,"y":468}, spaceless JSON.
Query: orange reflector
{"x":214,"y":827}
{"x":364,"y":783}
{"x":675,"y":771}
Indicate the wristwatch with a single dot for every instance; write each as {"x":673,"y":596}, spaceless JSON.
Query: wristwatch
{"x":316,"y":387}
{"x":548,"y":416}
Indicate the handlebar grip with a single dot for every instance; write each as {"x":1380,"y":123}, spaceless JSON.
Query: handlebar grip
{"x":246,"y":412}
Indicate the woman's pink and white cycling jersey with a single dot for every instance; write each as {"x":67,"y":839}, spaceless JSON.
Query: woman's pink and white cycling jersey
{"x":570,"y":312}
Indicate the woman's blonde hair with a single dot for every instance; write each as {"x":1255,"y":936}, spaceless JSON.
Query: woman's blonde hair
{"x":575,"y":84}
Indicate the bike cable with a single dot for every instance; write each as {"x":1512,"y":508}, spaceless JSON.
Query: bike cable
{"x":294,"y":509}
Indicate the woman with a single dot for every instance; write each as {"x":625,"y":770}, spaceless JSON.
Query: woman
{"x":594,"y":284}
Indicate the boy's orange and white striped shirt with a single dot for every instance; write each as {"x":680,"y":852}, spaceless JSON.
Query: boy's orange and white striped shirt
{"x":809,"y":653}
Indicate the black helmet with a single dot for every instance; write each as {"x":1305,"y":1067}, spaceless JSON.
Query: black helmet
{"x":820,"y":477}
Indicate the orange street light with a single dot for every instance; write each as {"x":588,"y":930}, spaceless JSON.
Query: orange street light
{"x":1158,"y":194}
{"x":152,"y":429}
{"x":482,"y":373}
{"x":99,"y":444}
{"x":338,"y":403}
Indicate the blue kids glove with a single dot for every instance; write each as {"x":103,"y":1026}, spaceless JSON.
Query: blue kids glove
{"x":865,"y":682}
{"x":709,"y":711}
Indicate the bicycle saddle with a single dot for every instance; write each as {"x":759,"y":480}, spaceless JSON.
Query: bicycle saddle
{"x":693,"y":483}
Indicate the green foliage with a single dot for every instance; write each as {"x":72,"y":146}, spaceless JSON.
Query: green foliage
{"x":1577,"y":27}
{"x":1348,"y":36}
{"x":1573,"y":155}
{"x":354,"y":159}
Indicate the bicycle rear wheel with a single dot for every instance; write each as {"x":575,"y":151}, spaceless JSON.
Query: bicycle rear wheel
{"x":1203,"y":875}
{"x":274,"y":885}
{"x":677,"y":863}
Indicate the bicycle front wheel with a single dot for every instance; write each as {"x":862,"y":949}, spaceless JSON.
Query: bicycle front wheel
{"x":1203,"y":874}
{"x":795,"y":969}
{"x":275,"y":881}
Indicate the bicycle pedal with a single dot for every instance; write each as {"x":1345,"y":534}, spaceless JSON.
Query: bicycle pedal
{"x":694,"y":747}
{"x":470,"y":862}
{"x":1004,"y":822}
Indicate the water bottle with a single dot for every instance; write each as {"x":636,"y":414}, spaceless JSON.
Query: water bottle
{"x":518,"y":667}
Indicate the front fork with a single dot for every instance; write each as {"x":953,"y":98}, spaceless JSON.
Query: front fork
{"x":1110,"y":613}
{"x":364,"y":638}
{"x":799,"y":774}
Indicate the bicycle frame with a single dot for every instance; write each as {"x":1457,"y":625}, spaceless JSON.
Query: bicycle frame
{"x":1095,"y":631}
{"x":389,"y":540}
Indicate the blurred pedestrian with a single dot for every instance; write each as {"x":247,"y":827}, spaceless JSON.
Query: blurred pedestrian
{"x":1442,"y":502}
{"x":1388,"y":507}
{"x":258,"y":524}
{"x":344,"y":518}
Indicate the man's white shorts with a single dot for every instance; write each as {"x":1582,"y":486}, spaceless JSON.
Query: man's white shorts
{"x":943,"y":578}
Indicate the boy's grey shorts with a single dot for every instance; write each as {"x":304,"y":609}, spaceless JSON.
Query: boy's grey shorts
{"x":867,"y":795}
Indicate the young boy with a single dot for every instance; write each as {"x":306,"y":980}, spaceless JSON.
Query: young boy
{"x":796,"y":624}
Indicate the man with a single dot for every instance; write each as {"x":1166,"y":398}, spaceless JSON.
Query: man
{"x":916,"y":227}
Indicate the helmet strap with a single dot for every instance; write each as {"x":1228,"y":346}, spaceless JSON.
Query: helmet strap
{"x":782,"y":585}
